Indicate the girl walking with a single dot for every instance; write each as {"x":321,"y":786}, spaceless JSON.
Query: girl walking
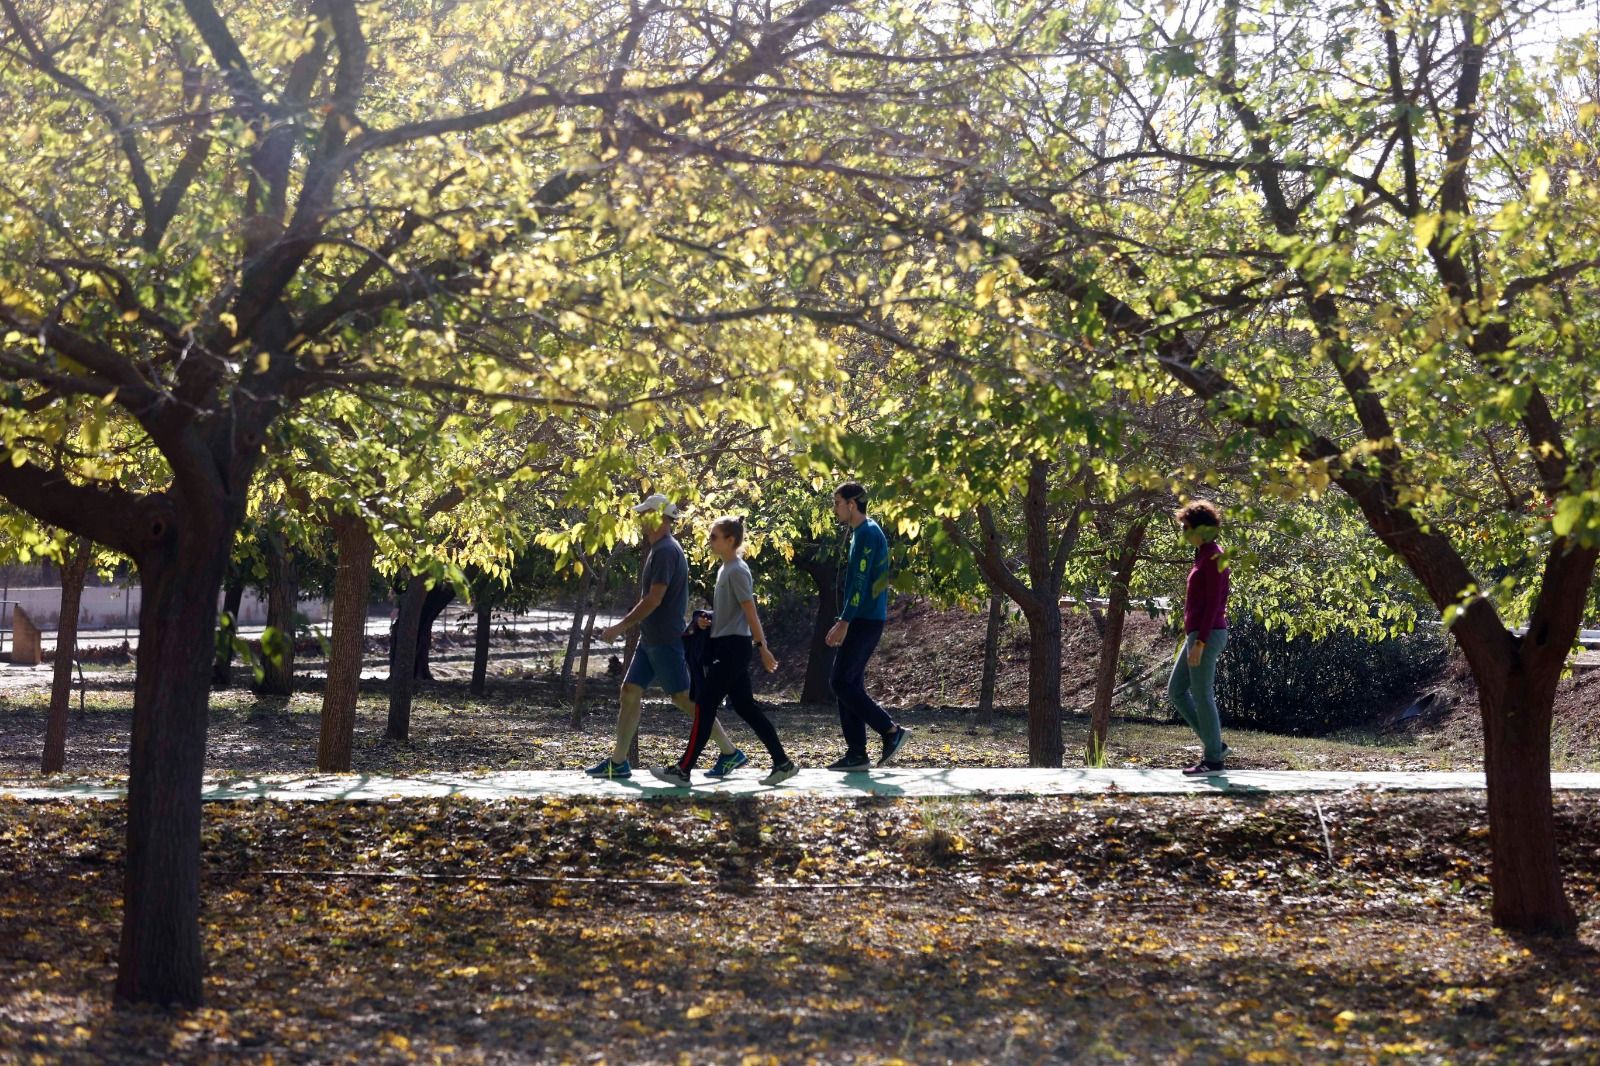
{"x":736,"y":636}
{"x":1192,"y":687}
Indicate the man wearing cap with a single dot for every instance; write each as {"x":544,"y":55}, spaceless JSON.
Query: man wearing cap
{"x":659,"y":658}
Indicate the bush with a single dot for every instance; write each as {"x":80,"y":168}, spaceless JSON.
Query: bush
{"x":1266,"y":681}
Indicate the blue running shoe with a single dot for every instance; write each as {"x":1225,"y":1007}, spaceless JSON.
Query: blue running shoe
{"x":607,"y":768}
{"x":892,"y":745}
{"x":727,"y":764}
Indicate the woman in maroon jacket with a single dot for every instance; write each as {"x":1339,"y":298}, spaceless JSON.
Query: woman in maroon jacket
{"x":1192,"y":687}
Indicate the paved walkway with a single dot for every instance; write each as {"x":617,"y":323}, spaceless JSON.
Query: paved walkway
{"x":955,"y":781}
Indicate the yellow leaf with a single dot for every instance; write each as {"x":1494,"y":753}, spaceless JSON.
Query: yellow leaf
{"x":699,"y":1010}
{"x":1423,"y":229}
{"x":1539,"y":186}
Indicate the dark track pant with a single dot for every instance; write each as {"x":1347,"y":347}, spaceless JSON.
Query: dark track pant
{"x":857,"y":710}
{"x":728,"y":677}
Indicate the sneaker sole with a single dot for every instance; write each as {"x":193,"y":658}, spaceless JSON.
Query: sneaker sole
{"x":779,"y":777}
{"x":670,"y":780}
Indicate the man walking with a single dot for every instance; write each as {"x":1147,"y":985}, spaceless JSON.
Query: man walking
{"x":856,"y":634}
{"x":659,"y":657}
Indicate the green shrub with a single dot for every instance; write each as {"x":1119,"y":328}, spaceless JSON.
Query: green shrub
{"x":1308,"y":686}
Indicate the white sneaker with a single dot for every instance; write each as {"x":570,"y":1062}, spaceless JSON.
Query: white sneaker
{"x":781,"y":773}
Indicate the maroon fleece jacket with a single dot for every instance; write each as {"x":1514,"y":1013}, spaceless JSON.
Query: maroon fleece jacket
{"x":1205,"y":600}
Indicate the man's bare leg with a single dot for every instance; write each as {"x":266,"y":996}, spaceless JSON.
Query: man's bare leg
{"x":632,"y":701}
{"x":682,"y":701}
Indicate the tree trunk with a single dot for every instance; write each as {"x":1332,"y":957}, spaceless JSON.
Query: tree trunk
{"x":576,"y":634}
{"x":433,"y":605}
{"x":227,"y":630}
{"x":819,"y":661}
{"x":1105,"y":683}
{"x":629,"y":647}
{"x":73,"y":572}
{"x":1526,"y":870}
{"x":402,"y":658}
{"x":991,"y":657}
{"x":347,"y":645}
{"x":1045,"y":746}
{"x":160,"y":959}
{"x":283,"y":596}
{"x":480,"y":650}
{"x":580,"y":690}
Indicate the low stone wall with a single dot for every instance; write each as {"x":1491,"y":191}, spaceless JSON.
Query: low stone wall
{"x":110,"y":607}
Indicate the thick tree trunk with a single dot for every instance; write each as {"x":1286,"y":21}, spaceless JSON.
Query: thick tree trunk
{"x":283,"y":597}
{"x":1105,"y":683}
{"x":1526,"y":871}
{"x":819,"y":660}
{"x":346,"y":647}
{"x":402,"y":658}
{"x":73,"y":572}
{"x":433,"y":605}
{"x":160,"y":959}
{"x":227,"y":629}
{"x":991,"y":657}
{"x":480,"y":650}
{"x":1045,"y":746}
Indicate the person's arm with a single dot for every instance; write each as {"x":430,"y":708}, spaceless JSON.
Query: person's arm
{"x":641,"y":610}
{"x":758,"y":636}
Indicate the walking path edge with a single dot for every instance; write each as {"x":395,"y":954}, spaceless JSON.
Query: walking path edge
{"x":895,"y":781}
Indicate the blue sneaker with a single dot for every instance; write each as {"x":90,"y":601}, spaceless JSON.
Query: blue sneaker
{"x":727,"y":764}
{"x":892,"y":745}
{"x":607,"y":768}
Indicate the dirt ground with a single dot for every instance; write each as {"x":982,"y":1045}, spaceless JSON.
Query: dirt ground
{"x":1115,"y":929}
{"x":1347,"y":929}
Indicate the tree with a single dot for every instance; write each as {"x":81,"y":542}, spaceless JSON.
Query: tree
{"x":288,"y":203}
{"x":1388,"y":184}
{"x":74,"y":568}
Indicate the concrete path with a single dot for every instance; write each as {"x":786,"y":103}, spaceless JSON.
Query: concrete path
{"x":954,"y":781}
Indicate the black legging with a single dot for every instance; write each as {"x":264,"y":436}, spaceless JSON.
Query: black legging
{"x":728,"y":676}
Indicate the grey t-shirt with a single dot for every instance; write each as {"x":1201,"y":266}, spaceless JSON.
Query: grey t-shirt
{"x":665,"y":565}
{"x":735,"y":586}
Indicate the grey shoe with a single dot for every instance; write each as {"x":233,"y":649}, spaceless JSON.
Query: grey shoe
{"x":672,"y":775}
{"x":781,"y":773}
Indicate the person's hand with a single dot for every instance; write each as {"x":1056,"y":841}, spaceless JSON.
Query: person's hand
{"x":610,"y":633}
{"x":768,"y":663}
{"x":835,"y":635}
{"x":1196,"y":650}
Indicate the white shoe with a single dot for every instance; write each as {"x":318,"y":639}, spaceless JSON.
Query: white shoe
{"x":780,"y":774}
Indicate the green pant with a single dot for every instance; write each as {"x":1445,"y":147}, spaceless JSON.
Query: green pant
{"x":1193,"y":690}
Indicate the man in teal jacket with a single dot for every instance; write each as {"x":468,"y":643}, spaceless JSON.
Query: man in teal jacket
{"x":856,"y":634}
